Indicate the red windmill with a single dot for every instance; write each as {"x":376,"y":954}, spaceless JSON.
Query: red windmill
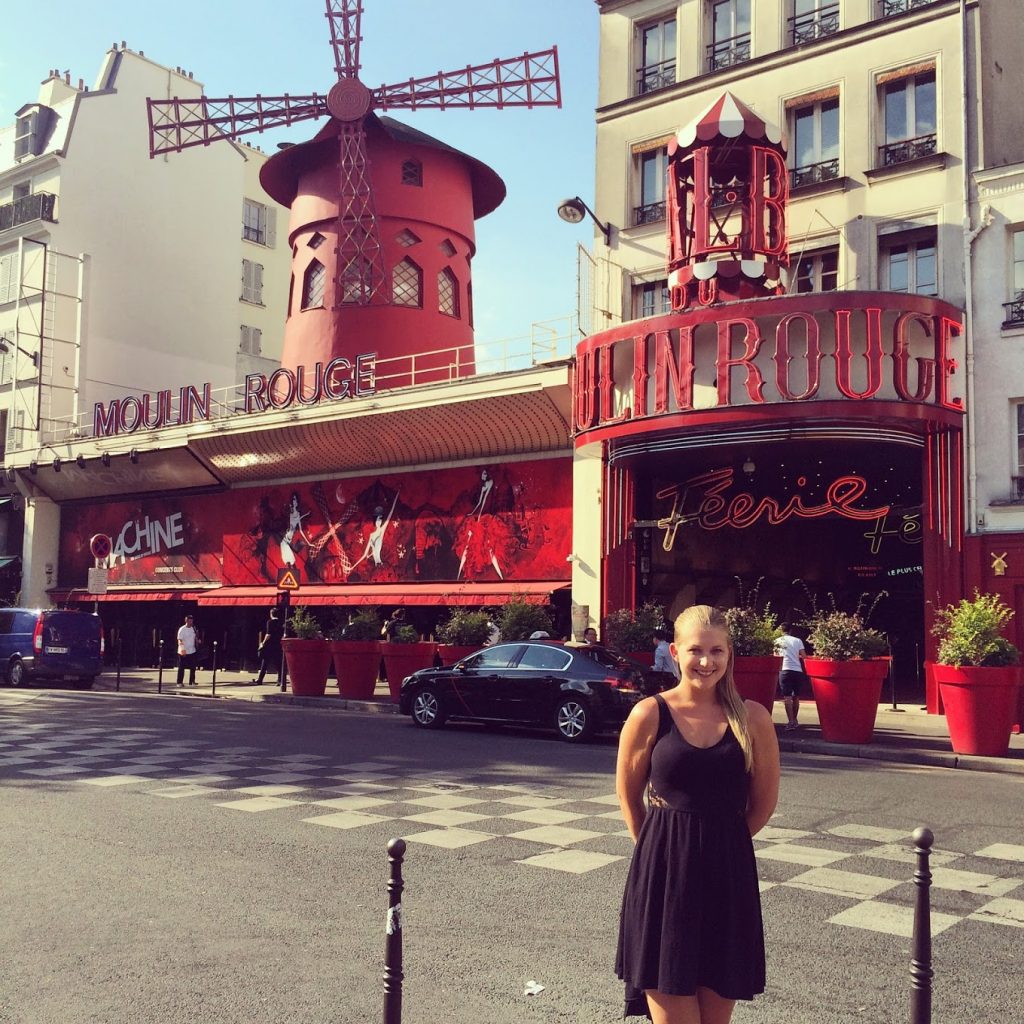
{"x":530,"y":80}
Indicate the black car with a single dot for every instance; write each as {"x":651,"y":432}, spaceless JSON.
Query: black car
{"x":577,"y":690}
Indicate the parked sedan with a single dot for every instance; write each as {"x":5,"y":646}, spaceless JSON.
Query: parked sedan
{"x":576,"y":690}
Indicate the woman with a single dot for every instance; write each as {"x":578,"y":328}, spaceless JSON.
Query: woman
{"x":690,"y":934}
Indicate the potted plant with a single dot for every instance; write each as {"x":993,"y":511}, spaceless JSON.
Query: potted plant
{"x":978,"y":675}
{"x":846,"y":670}
{"x":753,"y":633}
{"x":632,"y":631}
{"x":355,"y":647}
{"x":403,"y":654}
{"x":307,"y":654}
{"x":519,"y":620}
{"x":465,"y":631}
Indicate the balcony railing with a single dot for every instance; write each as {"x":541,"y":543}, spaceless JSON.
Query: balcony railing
{"x":909,"y":149}
{"x":649,"y":213}
{"x":892,"y":7}
{"x":814,"y":174}
{"x":38,"y":206}
{"x":805,"y":28}
{"x":1014,"y":311}
{"x":1017,"y":491}
{"x":655,"y":76}
{"x":724,"y":53}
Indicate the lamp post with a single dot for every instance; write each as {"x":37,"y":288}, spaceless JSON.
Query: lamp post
{"x":573,"y":210}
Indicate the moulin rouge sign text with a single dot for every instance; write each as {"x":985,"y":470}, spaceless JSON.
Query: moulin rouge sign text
{"x":738,"y":340}
{"x":340,"y":378}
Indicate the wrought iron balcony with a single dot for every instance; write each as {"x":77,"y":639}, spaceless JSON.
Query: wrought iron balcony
{"x":908,"y":149}
{"x":805,"y":28}
{"x":649,"y":213}
{"x":38,"y":206}
{"x":1014,"y":311}
{"x":724,"y":53}
{"x":655,"y":76}
{"x":813,"y":174}
{"x":892,"y":7}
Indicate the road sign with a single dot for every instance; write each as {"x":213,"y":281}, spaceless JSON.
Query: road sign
{"x":288,"y":579}
{"x":100,"y":546}
{"x":98,"y":580}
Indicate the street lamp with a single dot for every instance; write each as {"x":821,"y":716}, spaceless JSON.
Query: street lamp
{"x":572,"y":211}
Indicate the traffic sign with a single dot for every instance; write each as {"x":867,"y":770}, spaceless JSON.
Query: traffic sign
{"x":288,"y":578}
{"x":100,"y":546}
{"x":98,"y":579}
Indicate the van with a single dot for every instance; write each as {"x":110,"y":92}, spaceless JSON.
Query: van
{"x":50,"y":644}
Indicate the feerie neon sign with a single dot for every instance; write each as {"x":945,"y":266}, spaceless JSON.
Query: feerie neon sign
{"x":338,"y":379}
{"x":702,"y":500}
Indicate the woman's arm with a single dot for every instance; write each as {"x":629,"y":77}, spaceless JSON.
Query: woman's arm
{"x":636,"y":741}
{"x":764,"y":776}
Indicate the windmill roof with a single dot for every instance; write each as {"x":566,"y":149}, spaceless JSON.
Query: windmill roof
{"x":280,"y":174}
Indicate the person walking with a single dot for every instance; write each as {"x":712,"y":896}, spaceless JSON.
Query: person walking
{"x":691,"y":940}
{"x":270,"y":648}
{"x":187,"y":652}
{"x":792,"y":675}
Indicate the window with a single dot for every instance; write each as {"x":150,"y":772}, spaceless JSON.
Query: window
{"x":652,"y":298}
{"x":316,"y":240}
{"x":252,"y":282}
{"x":1014,"y":309}
{"x":447,"y":293}
{"x":408,"y":284}
{"x":25,"y":136}
{"x":258,"y":223}
{"x":357,"y":280}
{"x":1018,"y":479}
{"x":891,"y":7}
{"x":495,"y":657}
{"x":657,"y":46}
{"x":909,"y":262}
{"x":815,"y":271}
{"x":447,"y":249}
{"x":908,"y":111}
{"x":21,"y":190}
{"x":314,"y":284}
{"x":815,"y":149}
{"x":412,"y":173}
{"x":652,"y":168}
{"x":813,"y":19}
{"x":730,"y":34}
{"x":251,"y":339}
{"x":544,"y":658}
{"x":407,"y":239}
{"x":8,"y":277}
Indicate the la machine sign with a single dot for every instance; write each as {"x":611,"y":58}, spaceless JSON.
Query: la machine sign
{"x":336,"y":380}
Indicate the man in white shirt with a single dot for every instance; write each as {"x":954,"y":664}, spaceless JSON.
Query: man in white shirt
{"x":663,"y":660}
{"x":791,"y":676}
{"x":187,"y":652}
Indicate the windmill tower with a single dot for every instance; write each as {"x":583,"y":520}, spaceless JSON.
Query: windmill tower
{"x":381,"y":227}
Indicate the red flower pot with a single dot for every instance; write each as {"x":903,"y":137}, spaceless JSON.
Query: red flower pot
{"x":981,"y":705}
{"x":308,"y":664}
{"x":757,"y":678}
{"x":402,"y":659}
{"x":847,"y":695}
{"x":356,"y":664}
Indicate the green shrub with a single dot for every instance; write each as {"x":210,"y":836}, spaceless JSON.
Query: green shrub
{"x":835,"y":635}
{"x":466,"y":628}
{"x":406,"y":634}
{"x":970,"y":633}
{"x":304,"y":625}
{"x":365,"y":626}
{"x":629,"y":630}
{"x":517,"y":620}
{"x":753,"y":632}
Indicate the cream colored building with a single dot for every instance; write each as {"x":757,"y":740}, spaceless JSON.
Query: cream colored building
{"x":905,"y":143}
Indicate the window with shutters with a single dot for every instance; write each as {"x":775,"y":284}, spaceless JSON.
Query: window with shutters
{"x":252,"y":282}
{"x":447,"y":293}
{"x":251,"y":340}
{"x":258,"y":223}
{"x":8,"y":277}
{"x":408,"y":284}
{"x":314,"y":285}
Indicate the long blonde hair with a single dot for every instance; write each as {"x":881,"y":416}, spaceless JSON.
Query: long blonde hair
{"x":707,"y":617}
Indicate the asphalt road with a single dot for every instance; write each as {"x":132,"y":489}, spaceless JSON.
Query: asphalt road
{"x":146,"y":899}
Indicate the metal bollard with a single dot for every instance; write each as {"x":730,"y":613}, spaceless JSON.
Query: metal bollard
{"x":118,"y":662}
{"x":160,"y":667}
{"x":215,"y":668}
{"x":921,"y":972}
{"x":393,"y":931}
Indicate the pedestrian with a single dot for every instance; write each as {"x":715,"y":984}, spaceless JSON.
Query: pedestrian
{"x":269,"y":650}
{"x":791,"y":676}
{"x":390,"y":628}
{"x":691,"y":940}
{"x":663,"y":660}
{"x":590,"y":636}
{"x":187,"y":638}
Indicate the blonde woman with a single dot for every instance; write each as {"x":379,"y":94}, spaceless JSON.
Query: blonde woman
{"x":690,"y":936}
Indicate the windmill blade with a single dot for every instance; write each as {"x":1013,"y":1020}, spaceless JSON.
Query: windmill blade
{"x":345,"y":18}
{"x":527,"y":81}
{"x":177,"y":124}
{"x":360,"y":272}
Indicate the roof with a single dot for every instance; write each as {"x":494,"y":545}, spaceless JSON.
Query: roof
{"x":728,"y":118}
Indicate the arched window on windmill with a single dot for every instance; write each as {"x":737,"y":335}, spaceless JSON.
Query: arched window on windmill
{"x":408,"y":284}
{"x":448,"y":293}
{"x":314,"y":282}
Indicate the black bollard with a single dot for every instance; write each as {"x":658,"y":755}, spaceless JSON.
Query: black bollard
{"x":393,"y":930}
{"x":119,"y":662}
{"x":215,"y":668}
{"x":921,"y":972}
{"x":160,"y":667}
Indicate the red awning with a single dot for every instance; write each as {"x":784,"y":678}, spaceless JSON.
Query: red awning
{"x":139,"y":594}
{"x":391,"y":593}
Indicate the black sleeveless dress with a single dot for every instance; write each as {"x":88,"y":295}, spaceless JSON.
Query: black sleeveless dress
{"x":691,"y":912}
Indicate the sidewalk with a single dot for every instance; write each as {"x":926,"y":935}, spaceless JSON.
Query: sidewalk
{"x":905,"y":736}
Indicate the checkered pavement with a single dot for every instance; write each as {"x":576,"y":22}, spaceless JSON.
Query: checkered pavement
{"x":861,"y":873}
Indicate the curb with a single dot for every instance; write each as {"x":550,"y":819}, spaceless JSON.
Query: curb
{"x":902,"y":755}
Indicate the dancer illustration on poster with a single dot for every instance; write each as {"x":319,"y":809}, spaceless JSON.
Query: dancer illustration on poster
{"x":375,"y":542}
{"x":485,"y":533}
{"x":295,"y":517}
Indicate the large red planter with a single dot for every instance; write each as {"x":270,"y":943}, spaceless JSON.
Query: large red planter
{"x":847,"y":694}
{"x":757,"y":678}
{"x":451,"y":654}
{"x":401,"y":660}
{"x":308,"y":663}
{"x":981,"y":705}
{"x":356,"y":663}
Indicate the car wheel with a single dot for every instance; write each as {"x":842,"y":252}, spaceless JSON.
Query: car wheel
{"x":16,"y":673}
{"x":428,"y":709}
{"x":85,"y":683}
{"x":574,"y":720}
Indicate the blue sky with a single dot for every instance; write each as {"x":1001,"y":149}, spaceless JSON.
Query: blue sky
{"x":525,"y":269}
